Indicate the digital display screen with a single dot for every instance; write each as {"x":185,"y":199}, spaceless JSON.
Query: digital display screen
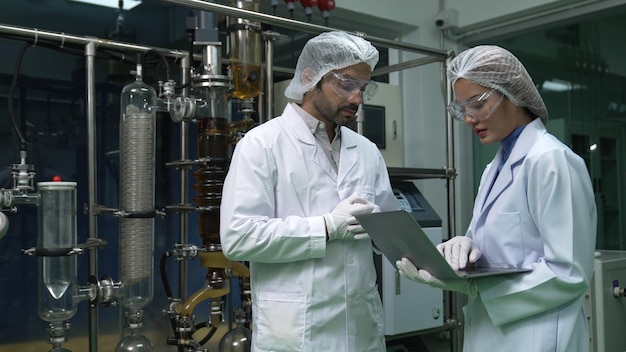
{"x":373,"y":125}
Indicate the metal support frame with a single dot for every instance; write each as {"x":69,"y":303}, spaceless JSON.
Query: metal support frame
{"x":91,"y":45}
{"x":302,"y":26}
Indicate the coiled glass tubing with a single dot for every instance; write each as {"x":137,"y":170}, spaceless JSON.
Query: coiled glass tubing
{"x":137,"y":159}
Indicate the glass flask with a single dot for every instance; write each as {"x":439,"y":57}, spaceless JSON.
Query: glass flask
{"x":134,"y":343}
{"x":57,"y":233}
{"x":238,"y":339}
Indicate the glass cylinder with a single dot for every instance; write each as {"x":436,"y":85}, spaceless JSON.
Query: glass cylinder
{"x":245,"y":40}
{"x":137,"y":160}
{"x":57,"y":235}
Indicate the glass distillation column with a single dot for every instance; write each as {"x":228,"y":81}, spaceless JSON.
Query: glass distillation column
{"x":211,"y":90}
{"x":210,"y":105}
{"x":137,"y":158}
{"x":57,"y":268}
{"x":244,"y":55}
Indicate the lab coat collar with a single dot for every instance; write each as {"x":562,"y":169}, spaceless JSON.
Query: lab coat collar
{"x":312,"y":150}
{"x":504,"y":179}
{"x":297,"y":126}
{"x":349,"y":156}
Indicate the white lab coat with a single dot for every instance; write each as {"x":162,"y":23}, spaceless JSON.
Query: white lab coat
{"x":540,"y":213}
{"x":308,"y":294}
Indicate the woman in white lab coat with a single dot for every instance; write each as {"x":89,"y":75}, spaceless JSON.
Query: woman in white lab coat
{"x":535,"y":208}
{"x":287,"y":205}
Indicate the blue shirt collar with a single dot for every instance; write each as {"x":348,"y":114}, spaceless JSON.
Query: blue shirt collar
{"x":508,"y":142}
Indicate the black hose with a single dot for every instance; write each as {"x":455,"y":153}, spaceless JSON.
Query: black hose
{"x":16,"y":73}
{"x":164,"y":280}
{"x":208,"y":335}
{"x":168,"y":292}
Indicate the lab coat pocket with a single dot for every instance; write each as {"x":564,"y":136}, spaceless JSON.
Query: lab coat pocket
{"x":367,"y":313}
{"x":502,"y":242}
{"x":366,"y":192}
{"x":281,"y":321}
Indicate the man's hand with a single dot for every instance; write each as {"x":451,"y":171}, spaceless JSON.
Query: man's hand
{"x":341,"y":223}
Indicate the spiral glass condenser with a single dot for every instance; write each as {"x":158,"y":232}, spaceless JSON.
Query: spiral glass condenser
{"x":137,"y":135}
{"x":137,"y":159}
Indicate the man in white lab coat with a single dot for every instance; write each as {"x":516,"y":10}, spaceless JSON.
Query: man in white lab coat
{"x":535,"y":208}
{"x":288,"y":202}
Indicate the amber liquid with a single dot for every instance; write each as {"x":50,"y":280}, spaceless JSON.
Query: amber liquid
{"x":246,"y":80}
{"x":213,"y":142}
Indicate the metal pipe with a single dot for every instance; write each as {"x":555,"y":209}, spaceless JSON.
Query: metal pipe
{"x":269,"y":78}
{"x":90,"y":53}
{"x":65,"y":39}
{"x":451,"y":186}
{"x":301,"y":26}
{"x":184,"y":176}
{"x":404,"y":65}
{"x":542,"y":16}
{"x":449,"y":154}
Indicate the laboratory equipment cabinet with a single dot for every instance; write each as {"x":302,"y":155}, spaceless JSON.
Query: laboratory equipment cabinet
{"x":606,"y":303}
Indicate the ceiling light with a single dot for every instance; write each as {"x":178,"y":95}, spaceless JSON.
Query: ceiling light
{"x":127,"y":4}
{"x":557,"y":85}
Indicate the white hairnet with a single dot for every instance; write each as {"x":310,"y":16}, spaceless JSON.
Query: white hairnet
{"x":494,"y":67}
{"x":324,"y":53}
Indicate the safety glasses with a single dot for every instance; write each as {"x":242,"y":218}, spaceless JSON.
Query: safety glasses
{"x":348,"y":88}
{"x":478,"y":109}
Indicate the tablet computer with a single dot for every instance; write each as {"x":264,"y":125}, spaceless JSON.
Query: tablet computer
{"x":397,"y":234}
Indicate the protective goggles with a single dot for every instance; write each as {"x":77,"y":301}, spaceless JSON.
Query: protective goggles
{"x":478,"y":108}
{"x":348,"y":87}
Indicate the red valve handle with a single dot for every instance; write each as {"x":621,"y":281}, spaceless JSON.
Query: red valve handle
{"x":326,"y":5}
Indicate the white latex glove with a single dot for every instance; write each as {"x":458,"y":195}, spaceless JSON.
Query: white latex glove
{"x":363,"y":235}
{"x":408,"y":270}
{"x":341,"y":223}
{"x":459,"y":251}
